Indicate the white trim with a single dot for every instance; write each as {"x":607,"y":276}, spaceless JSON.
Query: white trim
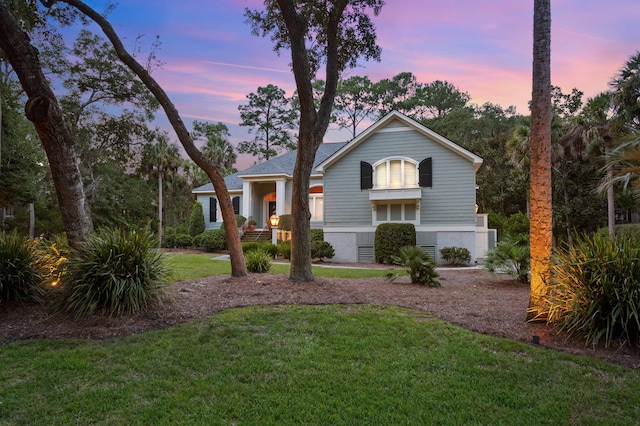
{"x":390,"y":194}
{"x":212,"y":191}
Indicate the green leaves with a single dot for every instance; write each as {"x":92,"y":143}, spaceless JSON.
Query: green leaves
{"x":420,"y":266}
{"x":115,"y":272}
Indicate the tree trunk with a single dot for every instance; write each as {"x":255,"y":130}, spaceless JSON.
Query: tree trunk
{"x":160,"y":208}
{"x":313,"y":126}
{"x":541,"y":227}
{"x":611,"y":204}
{"x":301,"y":268}
{"x":213,"y":170}
{"x":44,"y":111}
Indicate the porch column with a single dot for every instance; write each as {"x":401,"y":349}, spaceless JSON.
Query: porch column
{"x":280,"y":190}
{"x":246,"y":199}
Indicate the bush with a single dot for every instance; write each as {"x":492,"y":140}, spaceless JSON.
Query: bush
{"x":183,"y":241}
{"x":196,"y":220}
{"x":264,"y":246}
{"x":596,"y":289}
{"x":210,"y":240}
{"x":169,"y":240}
{"x":624,"y":231}
{"x":258,"y":261}
{"x":317,"y":235}
{"x":516,"y":224}
{"x":420,"y":266}
{"x":390,"y":237}
{"x":21,"y":269}
{"x":321,"y":250}
{"x":114,"y":272}
{"x":284,"y":249}
{"x":457,"y":256}
{"x":511,"y":255}
{"x":285,"y":222}
{"x":240,"y":220}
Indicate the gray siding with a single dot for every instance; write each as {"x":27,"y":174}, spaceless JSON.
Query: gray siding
{"x":450,"y":201}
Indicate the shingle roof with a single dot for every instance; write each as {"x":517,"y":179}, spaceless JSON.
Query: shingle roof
{"x":280,"y":165}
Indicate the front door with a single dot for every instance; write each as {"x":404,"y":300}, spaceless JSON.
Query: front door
{"x":271,"y":209}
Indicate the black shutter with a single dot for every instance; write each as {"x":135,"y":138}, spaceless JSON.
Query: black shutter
{"x":213,"y":209}
{"x":366,"y":175}
{"x":425,"y":173}
{"x":236,"y":205}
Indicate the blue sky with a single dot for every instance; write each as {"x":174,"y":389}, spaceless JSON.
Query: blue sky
{"x":211,"y":61}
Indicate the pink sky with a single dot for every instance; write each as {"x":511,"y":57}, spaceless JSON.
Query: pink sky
{"x":211,"y":60}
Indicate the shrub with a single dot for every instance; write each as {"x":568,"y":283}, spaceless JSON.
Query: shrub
{"x":264,"y":246}
{"x":114,"y":272}
{"x":420,"y":266}
{"x":390,"y":237}
{"x":285,"y":222}
{"x":511,"y":255}
{"x":169,"y":240}
{"x":210,"y":240}
{"x":624,"y":231}
{"x":240,"y":220}
{"x":196,"y":220}
{"x":21,"y":269}
{"x":284,"y":249}
{"x":596,"y":289}
{"x":456,"y":255}
{"x":258,"y":261}
{"x":321,"y":250}
{"x":183,"y":241}
{"x":317,"y":235}
{"x":516,"y":224}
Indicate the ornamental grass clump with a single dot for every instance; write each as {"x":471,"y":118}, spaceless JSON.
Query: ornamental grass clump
{"x":420,"y":266}
{"x":258,"y":261}
{"x":596,"y":289}
{"x":114,"y":272}
{"x":21,"y":269}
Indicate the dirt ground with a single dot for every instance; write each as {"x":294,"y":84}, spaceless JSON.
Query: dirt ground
{"x":469,"y":298}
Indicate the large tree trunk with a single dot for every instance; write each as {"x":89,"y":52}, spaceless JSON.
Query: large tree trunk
{"x":313,"y":126}
{"x":160,"y":208}
{"x":44,"y":111}
{"x":213,"y":170}
{"x":541,"y":228}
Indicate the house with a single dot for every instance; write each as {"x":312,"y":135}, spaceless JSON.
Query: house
{"x":397,"y":170}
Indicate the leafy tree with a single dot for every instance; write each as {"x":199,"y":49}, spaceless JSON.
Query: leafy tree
{"x":336,"y":32}
{"x":196,"y":220}
{"x":440,"y":98}
{"x":355,"y":101}
{"x":43,"y":109}
{"x":269,"y":117}
{"x":626,"y":87}
{"x":213,"y":170}
{"x":540,"y":177}
{"x":217,"y":147}
{"x":402,"y":93}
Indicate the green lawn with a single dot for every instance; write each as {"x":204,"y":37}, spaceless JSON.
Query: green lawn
{"x":356,"y":364}
{"x":273,"y":365}
{"x":189,"y":266}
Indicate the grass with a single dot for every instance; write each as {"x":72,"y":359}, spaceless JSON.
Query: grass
{"x":351,"y":364}
{"x":190,"y":266}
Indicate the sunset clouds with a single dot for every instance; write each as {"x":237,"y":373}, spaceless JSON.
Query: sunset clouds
{"x":211,"y":60}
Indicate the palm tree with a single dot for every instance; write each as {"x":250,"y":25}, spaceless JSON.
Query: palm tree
{"x":541,"y":218}
{"x":159,"y":159}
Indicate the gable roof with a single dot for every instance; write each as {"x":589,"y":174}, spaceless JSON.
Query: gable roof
{"x":281,"y":165}
{"x":407,"y":122}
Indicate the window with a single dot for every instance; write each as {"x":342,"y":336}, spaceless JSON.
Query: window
{"x":396,"y":212}
{"x":395,"y":173}
{"x":316,"y":203}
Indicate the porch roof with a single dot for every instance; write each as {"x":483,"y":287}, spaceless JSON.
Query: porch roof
{"x":280,"y":165}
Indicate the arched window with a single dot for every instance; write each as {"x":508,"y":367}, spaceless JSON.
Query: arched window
{"x":396,"y":173}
